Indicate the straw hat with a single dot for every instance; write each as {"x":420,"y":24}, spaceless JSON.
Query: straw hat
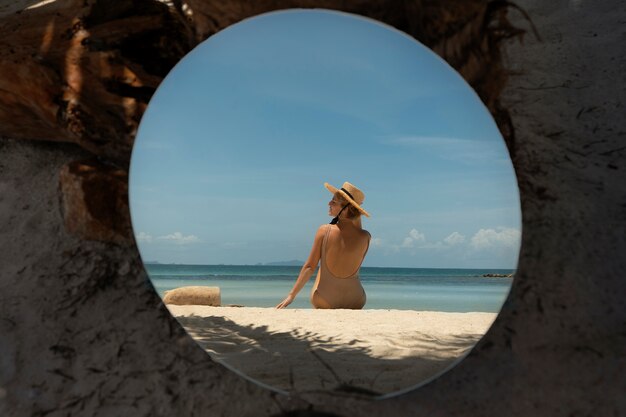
{"x":351,"y":193}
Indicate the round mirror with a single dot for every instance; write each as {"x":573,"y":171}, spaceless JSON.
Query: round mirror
{"x":226,"y":196}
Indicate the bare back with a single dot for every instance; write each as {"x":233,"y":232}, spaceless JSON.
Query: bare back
{"x":341,"y":289}
{"x":345,"y":250}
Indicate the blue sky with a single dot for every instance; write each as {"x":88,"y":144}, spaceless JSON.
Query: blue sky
{"x":232,"y":153}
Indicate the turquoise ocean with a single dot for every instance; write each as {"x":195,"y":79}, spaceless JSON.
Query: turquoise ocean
{"x":423,"y":289}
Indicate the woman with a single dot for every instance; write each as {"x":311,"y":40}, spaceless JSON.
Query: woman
{"x":341,"y":246}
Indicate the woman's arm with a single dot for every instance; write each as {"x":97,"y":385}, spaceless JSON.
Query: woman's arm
{"x":307,"y":269}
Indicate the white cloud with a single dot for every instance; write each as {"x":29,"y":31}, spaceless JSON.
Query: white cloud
{"x":417,"y":236}
{"x":414,"y":237}
{"x":455,"y":238}
{"x":501,"y":236}
{"x":178,"y":238}
{"x":407,"y":243}
{"x":493,"y":240}
{"x":143,"y":237}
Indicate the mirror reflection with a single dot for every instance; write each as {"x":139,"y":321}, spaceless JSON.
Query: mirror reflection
{"x":231,"y":213}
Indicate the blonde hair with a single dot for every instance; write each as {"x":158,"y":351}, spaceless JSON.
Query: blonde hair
{"x":351,"y":211}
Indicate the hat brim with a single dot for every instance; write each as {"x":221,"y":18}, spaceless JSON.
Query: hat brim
{"x":347,"y":197}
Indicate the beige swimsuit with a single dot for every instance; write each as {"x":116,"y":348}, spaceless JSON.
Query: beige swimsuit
{"x":337,"y":292}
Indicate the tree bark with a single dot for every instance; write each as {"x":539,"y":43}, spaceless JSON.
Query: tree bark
{"x":83,"y":72}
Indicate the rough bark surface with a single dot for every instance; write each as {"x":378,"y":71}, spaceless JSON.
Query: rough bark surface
{"x":84,"y":71}
{"x":82,"y":332}
{"x":95,"y":201}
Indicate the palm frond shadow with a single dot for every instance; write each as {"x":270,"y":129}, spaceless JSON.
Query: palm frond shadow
{"x":306,"y":361}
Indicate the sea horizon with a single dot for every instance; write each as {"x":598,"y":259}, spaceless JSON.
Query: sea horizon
{"x":300,"y":263}
{"x":432,"y":289}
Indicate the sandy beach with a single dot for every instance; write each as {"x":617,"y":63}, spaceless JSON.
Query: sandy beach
{"x":374,"y":351}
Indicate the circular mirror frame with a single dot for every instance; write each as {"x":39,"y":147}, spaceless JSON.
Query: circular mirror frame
{"x":176,"y":92}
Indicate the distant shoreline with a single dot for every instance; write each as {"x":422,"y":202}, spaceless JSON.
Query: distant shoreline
{"x":282,"y":263}
{"x":511,"y":275}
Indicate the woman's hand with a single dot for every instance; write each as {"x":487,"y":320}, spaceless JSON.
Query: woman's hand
{"x":308,"y":268}
{"x":285,"y":302}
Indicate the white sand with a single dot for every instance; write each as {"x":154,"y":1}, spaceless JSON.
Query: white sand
{"x":304,"y":349}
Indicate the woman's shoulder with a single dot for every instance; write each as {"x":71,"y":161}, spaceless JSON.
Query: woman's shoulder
{"x":322,"y":230}
{"x":364,"y":234}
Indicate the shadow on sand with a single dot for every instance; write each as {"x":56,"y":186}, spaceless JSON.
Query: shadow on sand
{"x":306,"y":361}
